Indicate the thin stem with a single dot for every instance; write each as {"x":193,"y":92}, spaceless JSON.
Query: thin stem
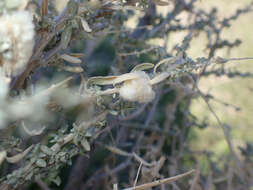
{"x":160,"y":182}
{"x":240,"y":59}
{"x":137,"y":175}
{"x":226,"y":134}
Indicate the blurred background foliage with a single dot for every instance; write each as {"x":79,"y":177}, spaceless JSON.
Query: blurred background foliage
{"x":236,"y":91}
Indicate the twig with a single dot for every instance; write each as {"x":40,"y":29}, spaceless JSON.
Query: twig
{"x":77,"y":173}
{"x":99,"y":176}
{"x":56,"y":147}
{"x":195,"y":179}
{"x":137,"y":53}
{"x":160,"y":182}
{"x":134,"y":114}
{"x":126,"y":30}
{"x":230,"y":178}
{"x":39,"y":47}
{"x":44,"y":9}
{"x":137,"y":175}
{"x":226,"y":134}
{"x":240,"y":59}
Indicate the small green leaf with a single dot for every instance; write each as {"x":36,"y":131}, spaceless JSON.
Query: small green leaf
{"x":46,"y":150}
{"x":102,"y":80}
{"x":66,"y":37}
{"x":63,"y":159}
{"x":42,"y":155}
{"x":62,"y":154}
{"x":57,"y":181}
{"x":29,"y":176}
{"x":41,"y":163}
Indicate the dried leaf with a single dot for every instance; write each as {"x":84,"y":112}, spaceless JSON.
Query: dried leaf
{"x":56,"y":147}
{"x":109,"y":91}
{"x":159,"y":78}
{"x":101,"y":80}
{"x":77,"y":55}
{"x":125,"y":77}
{"x":20,"y":156}
{"x":142,"y":67}
{"x":112,"y":79}
{"x":166,"y":60}
{"x":72,"y":69}
{"x":85,"y":25}
{"x":70,"y":59}
{"x":160,"y":3}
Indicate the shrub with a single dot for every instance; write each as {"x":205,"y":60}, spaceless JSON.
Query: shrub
{"x":89,"y":103}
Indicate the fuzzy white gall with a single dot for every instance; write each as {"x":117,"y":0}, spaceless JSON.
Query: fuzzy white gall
{"x":16,"y":41}
{"x":138,"y":89}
